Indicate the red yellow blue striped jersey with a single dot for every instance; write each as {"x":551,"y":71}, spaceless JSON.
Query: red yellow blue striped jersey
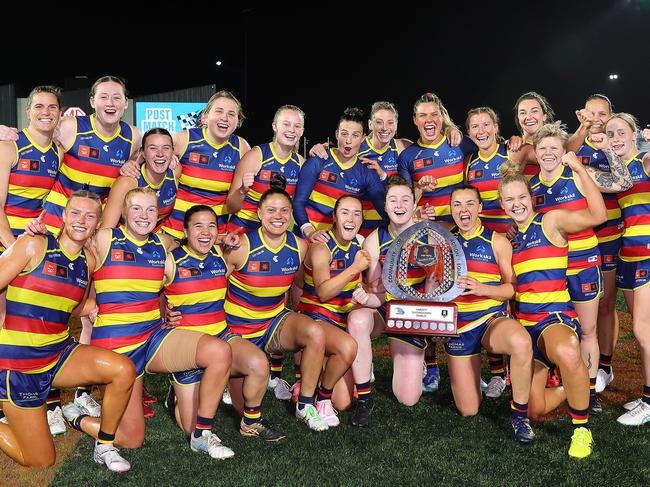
{"x":39,"y":305}
{"x":30,"y":181}
{"x":257,"y":291}
{"x":483,"y":173}
{"x":166,"y":192}
{"x":541,"y":270}
{"x":198,"y":290}
{"x":482,"y":265}
{"x":613,"y":227}
{"x":246,"y":218}
{"x":635,"y":206}
{"x":128,"y":282}
{"x":337,"y":308}
{"x":563,"y":192}
{"x":387,"y":160}
{"x":441,"y":161}
{"x":205,"y":178}
{"x":93,"y":163}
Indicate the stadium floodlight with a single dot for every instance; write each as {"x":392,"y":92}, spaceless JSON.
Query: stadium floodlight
{"x":613,"y":76}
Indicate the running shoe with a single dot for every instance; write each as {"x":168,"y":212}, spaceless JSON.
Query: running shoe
{"x":88,"y":405}
{"x":603,"y":379}
{"x":431,"y":380}
{"x":363,"y":412}
{"x":595,"y":404}
{"x":582,"y":443}
{"x":226,"y":398}
{"x":108,"y":455}
{"x":636,"y":417}
{"x":147,"y":397}
{"x":170,"y":402}
{"x":521,"y":430}
{"x":309,"y":415}
{"x":280,"y":388}
{"x":495,"y":387}
{"x":262,"y":429}
{"x":71,"y":411}
{"x":327,"y":412}
{"x":553,"y":378}
{"x":295,"y":392}
{"x":55,"y":422}
{"x":629,"y":406}
{"x":147,"y":411}
{"x":210,"y":444}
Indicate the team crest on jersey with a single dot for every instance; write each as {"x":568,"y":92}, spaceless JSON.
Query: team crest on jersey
{"x":337,"y":265}
{"x":539,"y":200}
{"x":475,"y":174}
{"x":609,"y":259}
{"x":641,"y":274}
{"x":88,"y":152}
{"x":55,"y":270}
{"x":330,"y":177}
{"x":589,"y":287}
{"x":584,"y":160}
{"x":28,"y":165}
{"x":266,"y":174}
{"x":118,"y":255}
{"x":187,"y":272}
{"x":197,"y":158}
{"x":422,"y":163}
{"x":259,"y":266}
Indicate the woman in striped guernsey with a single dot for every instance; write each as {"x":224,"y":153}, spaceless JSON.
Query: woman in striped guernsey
{"x":256,"y":171}
{"x":157,"y":152}
{"x":633,"y":267}
{"x":483,"y":320}
{"x":556,"y":186}
{"x":128,"y":279}
{"x":332,"y":276}
{"x":543,"y":304}
{"x":532,"y":111}
{"x":195,"y":288}
{"x":47,"y":281}
{"x":263,"y":269}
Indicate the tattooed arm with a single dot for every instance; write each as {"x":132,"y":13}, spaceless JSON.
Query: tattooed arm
{"x":617,"y":179}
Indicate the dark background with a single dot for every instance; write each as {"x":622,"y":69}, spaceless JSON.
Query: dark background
{"x":326,"y":59}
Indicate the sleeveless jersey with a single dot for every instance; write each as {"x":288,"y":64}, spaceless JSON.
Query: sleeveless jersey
{"x":387,"y":159}
{"x":271,"y":165}
{"x":30,"y":181}
{"x":93,"y":163}
{"x":441,"y":161}
{"x":39,"y":305}
{"x":337,"y":308}
{"x":481,"y":265}
{"x":483,"y":173}
{"x":198,"y":290}
{"x":541,"y":269}
{"x":613,"y":227}
{"x":166,"y":192}
{"x":205,"y":179}
{"x":635,"y":207}
{"x":563,"y":192}
{"x":127,"y":285}
{"x":257,"y":291}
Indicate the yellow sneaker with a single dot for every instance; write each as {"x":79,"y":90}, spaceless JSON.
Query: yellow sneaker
{"x":582,"y":443}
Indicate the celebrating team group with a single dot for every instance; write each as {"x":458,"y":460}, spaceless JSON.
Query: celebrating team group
{"x":197,"y":256}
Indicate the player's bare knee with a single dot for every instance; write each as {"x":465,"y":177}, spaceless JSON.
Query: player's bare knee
{"x":315,"y":337}
{"x":132,"y":440}
{"x":521,"y":347}
{"x":569,"y":357}
{"x":348,"y":350}
{"x":358,"y":323}
{"x":467,"y":410}
{"x":124,"y":372}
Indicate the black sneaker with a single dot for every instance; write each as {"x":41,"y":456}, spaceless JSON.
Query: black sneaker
{"x":362,"y":413}
{"x":595,"y":406}
{"x":522,"y":431}
{"x":262,"y":429}
{"x":170,"y":402}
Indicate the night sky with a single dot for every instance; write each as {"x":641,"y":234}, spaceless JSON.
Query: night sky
{"x":469,"y":54}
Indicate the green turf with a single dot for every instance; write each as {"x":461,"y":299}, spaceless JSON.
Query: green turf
{"x":428,"y":443}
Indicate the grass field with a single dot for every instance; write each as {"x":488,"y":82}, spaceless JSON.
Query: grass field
{"x":427,"y":443}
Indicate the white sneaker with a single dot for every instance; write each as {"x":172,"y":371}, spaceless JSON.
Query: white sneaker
{"x":495,"y":387}
{"x":309,"y":415}
{"x":227,"y":398}
{"x":88,"y":405}
{"x":4,"y":420}
{"x":483,"y":385}
{"x":71,"y":411}
{"x":603,"y":379}
{"x":110,"y":456}
{"x":327,"y":413}
{"x":280,"y":388}
{"x":210,"y":444}
{"x":629,"y":406}
{"x":637,"y":416}
{"x":55,"y":422}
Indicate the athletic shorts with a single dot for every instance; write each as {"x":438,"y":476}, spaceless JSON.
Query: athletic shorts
{"x":586,"y":285}
{"x":142,"y":355}
{"x":609,"y":254}
{"x":632,"y":275}
{"x":536,"y":331}
{"x":325,"y":319}
{"x":416,"y":341}
{"x":30,"y":391}
{"x":193,"y":376}
{"x":269,"y":342}
{"x":468,"y":342}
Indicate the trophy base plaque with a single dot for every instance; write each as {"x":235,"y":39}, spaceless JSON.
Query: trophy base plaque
{"x":437,"y":321}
